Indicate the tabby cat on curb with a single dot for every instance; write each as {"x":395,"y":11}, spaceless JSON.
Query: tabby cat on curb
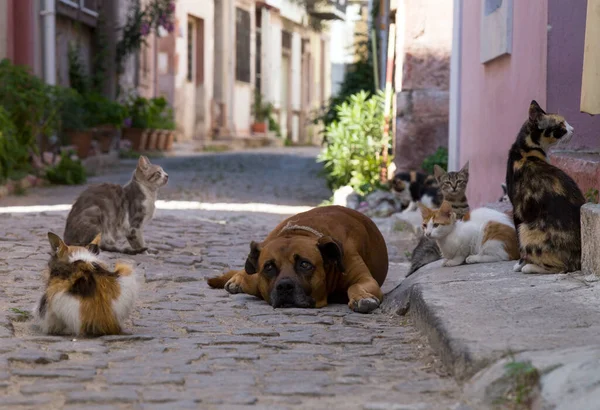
{"x":546,"y":201}
{"x":453,"y":187}
{"x":116,"y":211}
{"x":81,"y":295}
{"x":488,"y":236}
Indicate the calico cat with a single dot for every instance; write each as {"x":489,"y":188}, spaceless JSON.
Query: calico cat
{"x":116,"y":211}
{"x":413,"y":187}
{"x":488,"y":236}
{"x":546,"y":201}
{"x":82,"y":296}
{"x":452,"y":187}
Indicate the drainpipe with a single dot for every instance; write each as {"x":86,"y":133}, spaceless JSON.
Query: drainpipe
{"x":455,"y":73}
{"x":384,"y":32}
{"x":48,"y":15}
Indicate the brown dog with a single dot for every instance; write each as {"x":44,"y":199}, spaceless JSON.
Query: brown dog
{"x":312,"y":256}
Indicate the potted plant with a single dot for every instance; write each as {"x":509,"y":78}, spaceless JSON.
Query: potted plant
{"x":136,"y":123}
{"x":74,"y":121}
{"x":261,"y":112}
{"x":105,"y":118}
{"x":162,"y":122}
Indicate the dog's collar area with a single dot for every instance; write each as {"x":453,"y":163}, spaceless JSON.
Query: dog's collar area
{"x":290,"y":227}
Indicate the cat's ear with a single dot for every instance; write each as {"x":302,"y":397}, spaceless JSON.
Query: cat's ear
{"x":57,"y":244}
{"x":251,"y":266}
{"x":504,"y":189}
{"x":465,"y":168}
{"x":445,"y":209}
{"x":535,"y":112}
{"x":438,"y":171}
{"x":143,"y":162}
{"x":425,"y":211}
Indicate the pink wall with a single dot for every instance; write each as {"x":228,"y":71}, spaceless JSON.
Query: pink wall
{"x":495,"y":97}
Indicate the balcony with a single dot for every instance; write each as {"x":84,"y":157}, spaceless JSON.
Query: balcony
{"x":327,"y":9}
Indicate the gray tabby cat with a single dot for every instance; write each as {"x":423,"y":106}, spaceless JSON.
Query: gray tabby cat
{"x":116,"y":211}
{"x":453,"y":186}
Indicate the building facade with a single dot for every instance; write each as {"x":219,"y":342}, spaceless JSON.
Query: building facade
{"x":534,"y":52}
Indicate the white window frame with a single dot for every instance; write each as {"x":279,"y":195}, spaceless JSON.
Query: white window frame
{"x":80,"y":6}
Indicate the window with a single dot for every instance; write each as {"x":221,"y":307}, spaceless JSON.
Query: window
{"x":257,"y":68}
{"x":242,"y":45}
{"x":190,"y":50}
{"x":195,"y":50}
{"x":87,"y":6}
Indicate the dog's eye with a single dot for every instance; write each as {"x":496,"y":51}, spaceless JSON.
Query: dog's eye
{"x":270,"y":268}
{"x":306,"y":265}
{"x":436,"y":225}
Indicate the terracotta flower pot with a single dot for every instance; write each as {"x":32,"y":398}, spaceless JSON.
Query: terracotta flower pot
{"x":152,"y":140}
{"x":169,"y":141}
{"x":162,"y":139}
{"x":82,"y":140}
{"x":137,"y":136}
{"x":259,"y":127}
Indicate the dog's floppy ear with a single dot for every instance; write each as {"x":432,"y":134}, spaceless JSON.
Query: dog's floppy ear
{"x":251,"y":266}
{"x":332,"y":252}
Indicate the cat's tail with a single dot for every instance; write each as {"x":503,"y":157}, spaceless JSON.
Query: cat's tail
{"x":426,"y":251}
{"x":219,"y":282}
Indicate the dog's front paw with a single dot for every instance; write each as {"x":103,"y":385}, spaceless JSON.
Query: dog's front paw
{"x":365,"y":305}
{"x":233,"y":287}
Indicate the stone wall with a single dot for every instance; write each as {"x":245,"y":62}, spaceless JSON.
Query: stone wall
{"x":422,"y":80}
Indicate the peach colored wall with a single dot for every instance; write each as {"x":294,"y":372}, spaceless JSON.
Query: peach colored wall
{"x":495,"y":97}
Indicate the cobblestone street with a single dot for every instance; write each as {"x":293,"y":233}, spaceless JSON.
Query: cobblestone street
{"x":189,"y":346}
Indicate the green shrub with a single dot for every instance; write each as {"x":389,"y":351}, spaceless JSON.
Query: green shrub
{"x":14,"y":157}
{"x":160,"y":115}
{"x":67,"y":171}
{"x":29,"y":103}
{"x":354,"y":143}
{"x":440,"y":157}
{"x":101,"y":110}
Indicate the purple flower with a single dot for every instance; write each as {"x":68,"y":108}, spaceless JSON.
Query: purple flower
{"x":171,"y":7}
{"x":127,"y":122}
{"x":145,"y":29}
{"x":170,"y":27}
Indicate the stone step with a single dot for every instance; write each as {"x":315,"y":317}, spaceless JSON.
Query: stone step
{"x":583,"y":167}
{"x":590,"y":245}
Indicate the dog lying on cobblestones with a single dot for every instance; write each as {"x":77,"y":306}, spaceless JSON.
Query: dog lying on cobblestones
{"x":315,"y":257}
{"x":81,"y":296}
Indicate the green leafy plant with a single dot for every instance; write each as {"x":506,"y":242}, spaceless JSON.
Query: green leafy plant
{"x":78,"y":79}
{"x":261,"y":110}
{"x":592,"y":195}
{"x":22,"y":315}
{"x":68,"y":171}
{"x":101,"y":110}
{"x":160,"y":115}
{"x":523,"y":378}
{"x":13,"y":156}
{"x":354,"y":141}
{"x":73,"y":113}
{"x":137,"y":112}
{"x":440,"y":157}
{"x":29,"y":104}
{"x":101,"y":54}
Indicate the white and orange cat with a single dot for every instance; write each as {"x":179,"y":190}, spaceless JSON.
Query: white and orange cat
{"x":488,"y":235}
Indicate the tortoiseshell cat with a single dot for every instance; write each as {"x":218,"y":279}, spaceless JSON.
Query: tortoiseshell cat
{"x":453,"y":186}
{"x":546,"y":201}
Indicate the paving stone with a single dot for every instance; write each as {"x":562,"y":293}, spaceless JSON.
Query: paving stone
{"x":37,"y":357}
{"x":37,"y":388}
{"x":79,"y":375}
{"x":104,"y":396}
